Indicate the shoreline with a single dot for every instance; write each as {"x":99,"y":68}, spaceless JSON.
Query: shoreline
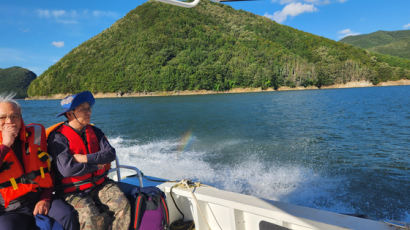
{"x":354,"y":84}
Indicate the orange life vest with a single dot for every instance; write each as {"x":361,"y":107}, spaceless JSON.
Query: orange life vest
{"x":77,"y":146}
{"x":19,"y":178}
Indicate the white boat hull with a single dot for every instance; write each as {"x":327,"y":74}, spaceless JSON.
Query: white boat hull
{"x":225,"y":210}
{"x":214,"y":209}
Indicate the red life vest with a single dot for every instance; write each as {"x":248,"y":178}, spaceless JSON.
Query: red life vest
{"x":19,"y":178}
{"x":77,"y":146}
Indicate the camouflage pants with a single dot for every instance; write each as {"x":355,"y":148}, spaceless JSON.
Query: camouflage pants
{"x":106,"y":207}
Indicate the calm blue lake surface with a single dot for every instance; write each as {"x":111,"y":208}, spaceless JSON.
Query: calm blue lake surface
{"x":344,"y":150}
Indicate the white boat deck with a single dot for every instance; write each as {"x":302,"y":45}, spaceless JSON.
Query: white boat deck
{"x":215,"y":209}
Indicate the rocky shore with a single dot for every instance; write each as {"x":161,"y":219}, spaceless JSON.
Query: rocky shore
{"x":356,"y":84}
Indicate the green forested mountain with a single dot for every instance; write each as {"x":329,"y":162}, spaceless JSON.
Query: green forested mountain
{"x":395,"y":43}
{"x":16,"y":79}
{"x":159,"y":47}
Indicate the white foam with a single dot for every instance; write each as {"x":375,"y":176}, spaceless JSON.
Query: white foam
{"x":286,"y":183}
{"x":162,"y":159}
{"x":289,"y":183}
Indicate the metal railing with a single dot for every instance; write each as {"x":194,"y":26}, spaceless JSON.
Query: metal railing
{"x":118,"y":168}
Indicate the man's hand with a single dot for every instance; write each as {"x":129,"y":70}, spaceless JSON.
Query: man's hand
{"x":42,"y":207}
{"x":9,"y":133}
{"x":80,"y":158}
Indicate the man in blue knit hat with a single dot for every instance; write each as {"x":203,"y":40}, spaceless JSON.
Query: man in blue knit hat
{"x":82,"y":156}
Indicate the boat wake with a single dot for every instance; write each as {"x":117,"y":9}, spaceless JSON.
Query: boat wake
{"x":287,"y":183}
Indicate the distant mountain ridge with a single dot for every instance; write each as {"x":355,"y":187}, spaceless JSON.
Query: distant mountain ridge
{"x":16,"y":79}
{"x":158,"y":47}
{"x":395,"y":43}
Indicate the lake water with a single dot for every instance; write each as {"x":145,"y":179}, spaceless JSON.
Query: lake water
{"x":344,"y":150}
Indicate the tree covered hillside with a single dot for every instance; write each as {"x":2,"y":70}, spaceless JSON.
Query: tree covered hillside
{"x":159,"y":47}
{"x":395,"y":43}
{"x":16,"y":79}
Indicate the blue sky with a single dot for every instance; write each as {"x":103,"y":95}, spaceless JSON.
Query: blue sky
{"x":35,"y":34}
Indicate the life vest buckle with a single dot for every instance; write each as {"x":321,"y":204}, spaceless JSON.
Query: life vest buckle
{"x":43,"y":156}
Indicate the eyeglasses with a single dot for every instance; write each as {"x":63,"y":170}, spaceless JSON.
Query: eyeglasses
{"x":12,"y":117}
{"x":84,"y":110}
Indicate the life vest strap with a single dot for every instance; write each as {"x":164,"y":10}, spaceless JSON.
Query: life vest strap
{"x":25,"y":179}
{"x":77,"y":184}
{"x":13,"y":183}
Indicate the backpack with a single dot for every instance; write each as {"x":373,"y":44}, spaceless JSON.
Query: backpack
{"x":149,"y":211}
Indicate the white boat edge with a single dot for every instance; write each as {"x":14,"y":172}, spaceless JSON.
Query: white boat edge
{"x":228,"y":210}
{"x":214,"y":209}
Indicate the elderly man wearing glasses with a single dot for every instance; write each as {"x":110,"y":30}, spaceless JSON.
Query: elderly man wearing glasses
{"x":26,"y":183}
{"x":83,"y":156}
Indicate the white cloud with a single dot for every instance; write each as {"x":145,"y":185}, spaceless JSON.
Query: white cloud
{"x":99,"y":13}
{"x":58,"y":13}
{"x":270,"y":16}
{"x":292,"y":9}
{"x":58,"y":44}
{"x":73,"y":16}
{"x":407,"y":26}
{"x":43,"y":13}
{"x":346,"y":32}
{"x":50,"y":13}
{"x":296,"y":7}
